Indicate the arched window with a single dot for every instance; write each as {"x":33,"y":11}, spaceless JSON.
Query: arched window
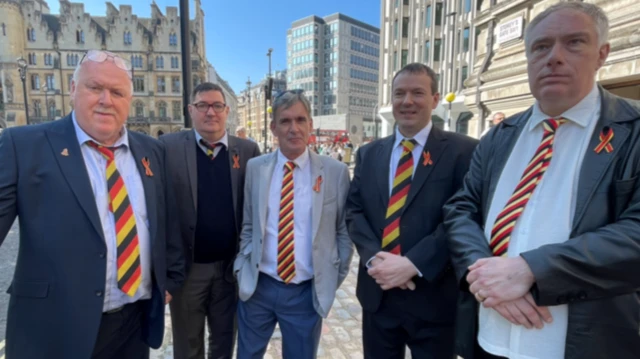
{"x":51,"y":110}
{"x":80,"y":36}
{"x":139,"y":109}
{"x":162,"y":109}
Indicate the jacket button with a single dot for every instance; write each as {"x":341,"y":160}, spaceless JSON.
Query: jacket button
{"x":98,"y":293}
{"x":101,"y":255}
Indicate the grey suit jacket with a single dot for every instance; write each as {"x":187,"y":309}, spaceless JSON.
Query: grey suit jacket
{"x":597,"y":271}
{"x":182,"y":167}
{"x":332,"y":248}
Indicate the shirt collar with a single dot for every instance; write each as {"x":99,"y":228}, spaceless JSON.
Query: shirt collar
{"x":83,"y":137}
{"x":580,"y":114}
{"x":420,"y":137}
{"x":224,"y":140}
{"x":301,"y":161}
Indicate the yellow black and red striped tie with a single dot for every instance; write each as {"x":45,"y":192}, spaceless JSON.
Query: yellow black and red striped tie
{"x":401,"y":185}
{"x":211,"y":147}
{"x":506,"y":220}
{"x":128,"y":262}
{"x":286,"y":258}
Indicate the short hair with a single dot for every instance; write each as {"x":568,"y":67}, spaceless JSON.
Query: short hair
{"x":288,"y":99}
{"x":240,"y":129}
{"x":596,"y":14}
{"x":418,"y":68}
{"x":206,"y":87}
{"x":498,"y":113}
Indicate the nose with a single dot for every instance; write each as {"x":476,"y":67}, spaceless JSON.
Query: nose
{"x":408,"y":99}
{"x":105,"y":98}
{"x":556,"y":55}
{"x":210,"y":111}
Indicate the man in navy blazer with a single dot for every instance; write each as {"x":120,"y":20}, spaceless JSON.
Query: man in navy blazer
{"x":100,"y":252}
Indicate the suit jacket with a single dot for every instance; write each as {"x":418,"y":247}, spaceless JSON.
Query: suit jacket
{"x":596,"y":270}
{"x":57,"y":290}
{"x":183,"y":168}
{"x":423,"y":239}
{"x":332,"y":249}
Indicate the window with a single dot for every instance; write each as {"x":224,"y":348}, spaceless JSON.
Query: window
{"x":161,"y":85}
{"x":438,"y":14}
{"x":467,"y":6}
{"x":175,"y":84}
{"x":48,"y":60}
{"x":436,"y":49}
{"x":32,"y":58}
{"x":177,"y":113}
{"x":162,"y":109}
{"x":37,"y":111}
{"x":35,"y":82}
{"x":465,"y":40}
{"x":127,"y":38}
{"x":395,"y":60}
{"x":51,"y":109}
{"x":139,"y":109}
{"x":159,"y":62}
{"x":50,"y":82}
{"x":465,"y":74}
{"x":406,"y":2}
{"x":72,"y":60}
{"x":404,"y":58}
{"x":397,"y":3}
{"x":427,"y":46}
{"x":79,"y":36}
{"x":175,"y":62}
{"x":138,"y":84}
{"x":31,"y":34}
{"x":428,"y":18}
{"x":173,"y":39}
{"x":395,"y":29}
{"x":405,"y":27}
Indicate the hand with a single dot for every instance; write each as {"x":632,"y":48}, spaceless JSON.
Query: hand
{"x":497,"y":280}
{"x":167,"y":297}
{"x":408,"y":285}
{"x":394,"y":271}
{"x":524,"y":311}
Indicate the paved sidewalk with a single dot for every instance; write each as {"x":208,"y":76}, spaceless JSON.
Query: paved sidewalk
{"x":341,"y":331}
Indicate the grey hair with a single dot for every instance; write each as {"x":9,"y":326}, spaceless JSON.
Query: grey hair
{"x":289,"y":99}
{"x":76,"y":73}
{"x":596,"y":14}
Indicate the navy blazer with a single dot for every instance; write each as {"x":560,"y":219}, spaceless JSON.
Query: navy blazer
{"x":57,"y":292}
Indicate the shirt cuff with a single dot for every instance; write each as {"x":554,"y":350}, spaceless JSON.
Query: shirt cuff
{"x":368,"y":264}
{"x":414,"y":266}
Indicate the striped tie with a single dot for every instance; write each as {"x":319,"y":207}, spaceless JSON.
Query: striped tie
{"x":211,"y":147}
{"x":506,"y":220}
{"x":286,"y":258}
{"x":129,"y":271}
{"x":401,"y":185}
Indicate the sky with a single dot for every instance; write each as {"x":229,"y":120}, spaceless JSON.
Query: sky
{"x":239,"y":32}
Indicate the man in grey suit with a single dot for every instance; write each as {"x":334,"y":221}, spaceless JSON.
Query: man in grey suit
{"x":551,"y":246}
{"x":294,"y":247}
{"x":207,"y":166}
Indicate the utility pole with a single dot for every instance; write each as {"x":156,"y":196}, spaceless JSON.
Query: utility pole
{"x":185,"y":47}
{"x":267,"y":97}
{"x":249,"y":105}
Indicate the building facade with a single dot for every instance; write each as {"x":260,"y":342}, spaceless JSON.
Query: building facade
{"x":477,"y":49}
{"x":230,"y":98}
{"x":335,"y":61}
{"x":53,"y":45}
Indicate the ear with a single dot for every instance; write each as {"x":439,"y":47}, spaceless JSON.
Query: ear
{"x":272,"y":126}
{"x":603,"y":53}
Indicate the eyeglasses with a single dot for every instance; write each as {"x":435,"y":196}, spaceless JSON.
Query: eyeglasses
{"x":102,"y":56}
{"x":295,"y":92}
{"x":204,"y":107}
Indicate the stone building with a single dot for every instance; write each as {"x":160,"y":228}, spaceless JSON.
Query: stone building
{"x":53,"y":44}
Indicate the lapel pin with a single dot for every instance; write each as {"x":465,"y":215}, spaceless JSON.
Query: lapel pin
{"x":426,"y":158}
{"x":236,"y":161}
{"x":316,"y":187}
{"x":65,"y":152}
{"x":605,"y":141}
{"x":147,"y":167}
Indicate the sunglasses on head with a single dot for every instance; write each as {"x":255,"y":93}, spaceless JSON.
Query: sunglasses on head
{"x":102,"y":56}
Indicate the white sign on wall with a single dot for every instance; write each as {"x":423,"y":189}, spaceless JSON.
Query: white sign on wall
{"x":510,"y":30}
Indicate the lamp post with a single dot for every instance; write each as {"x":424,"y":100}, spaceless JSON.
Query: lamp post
{"x":267,"y":97}
{"x":450,"y":97}
{"x":249,"y":105}
{"x":22,"y":68}
{"x":375,"y":121}
{"x":45,"y":88}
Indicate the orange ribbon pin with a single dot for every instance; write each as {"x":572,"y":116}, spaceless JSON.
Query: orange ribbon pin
{"x":316,"y":187}
{"x":147,"y":167}
{"x":236,"y":161}
{"x":605,"y":141}
{"x":426,"y":158}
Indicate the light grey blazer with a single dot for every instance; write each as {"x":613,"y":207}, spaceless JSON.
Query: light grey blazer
{"x":332,"y":248}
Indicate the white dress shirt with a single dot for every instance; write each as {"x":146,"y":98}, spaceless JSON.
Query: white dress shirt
{"x":126,"y":165}
{"x":547,"y":219}
{"x":421,"y":139}
{"x":302,"y":203}
{"x":224,"y":140}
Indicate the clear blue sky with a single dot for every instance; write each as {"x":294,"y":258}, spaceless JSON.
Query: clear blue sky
{"x":239,"y":32}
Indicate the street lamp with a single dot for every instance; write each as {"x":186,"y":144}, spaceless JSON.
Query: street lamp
{"x":249,"y":104}
{"x":45,"y":88}
{"x":450,"y":97}
{"x":267,"y":97}
{"x":22,"y":68}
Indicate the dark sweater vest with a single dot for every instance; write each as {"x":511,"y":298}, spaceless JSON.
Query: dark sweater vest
{"x":216,"y":234}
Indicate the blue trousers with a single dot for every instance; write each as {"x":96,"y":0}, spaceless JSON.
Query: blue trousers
{"x":289,"y":305}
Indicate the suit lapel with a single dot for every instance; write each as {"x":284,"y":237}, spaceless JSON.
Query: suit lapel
{"x":384,"y":155}
{"x":62,"y":138}
{"x":317,"y":175}
{"x":139,"y":152}
{"x":432,"y":152}
{"x":192,"y":167}
{"x":235,"y":172}
{"x":266,"y":173}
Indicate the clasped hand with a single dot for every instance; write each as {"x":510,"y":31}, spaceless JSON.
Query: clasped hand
{"x":392,"y":271}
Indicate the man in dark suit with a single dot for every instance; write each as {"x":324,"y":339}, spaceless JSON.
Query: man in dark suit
{"x":207,"y":167}
{"x":99,"y":252}
{"x":546,"y":230}
{"x":394,"y":215}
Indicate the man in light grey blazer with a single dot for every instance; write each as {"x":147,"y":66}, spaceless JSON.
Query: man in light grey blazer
{"x":294,"y":247}
{"x":207,"y":167}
